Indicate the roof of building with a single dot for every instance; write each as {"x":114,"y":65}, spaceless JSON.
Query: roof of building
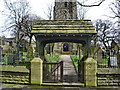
{"x":63,"y":26}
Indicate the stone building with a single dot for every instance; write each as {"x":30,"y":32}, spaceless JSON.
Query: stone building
{"x":65,"y":9}
{"x":65,"y":48}
{"x":7,"y":43}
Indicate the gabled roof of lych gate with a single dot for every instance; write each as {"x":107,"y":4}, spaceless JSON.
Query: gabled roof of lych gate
{"x":63,"y":27}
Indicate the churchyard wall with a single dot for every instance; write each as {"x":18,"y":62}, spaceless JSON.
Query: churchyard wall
{"x":14,"y":74}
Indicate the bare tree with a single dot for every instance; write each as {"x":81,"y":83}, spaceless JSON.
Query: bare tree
{"x":81,"y":11}
{"x":82,"y":7}
{"x":105,"y":32}
{"x":115,"y":8}
{"x":49,"y":12}
{"x":18,"y":18}
{"x":98,"y":3}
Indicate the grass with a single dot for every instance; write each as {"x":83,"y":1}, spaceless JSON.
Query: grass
{"x":75,"y":59}
{"x":53,"y":58}
{"x":104,"y":62}
{"x":23,"y":59}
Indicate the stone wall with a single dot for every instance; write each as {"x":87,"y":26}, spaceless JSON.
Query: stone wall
{"x":58,"y":48}
{"x":108,"y":76}
{"x":14,"y":74}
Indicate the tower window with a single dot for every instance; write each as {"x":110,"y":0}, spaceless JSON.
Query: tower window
{"x":65,"y":14}
{"x":65,"y":4}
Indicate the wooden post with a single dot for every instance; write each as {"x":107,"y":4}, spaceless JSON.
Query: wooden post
{"x":61,"y":69}
{"x":41,"y":50}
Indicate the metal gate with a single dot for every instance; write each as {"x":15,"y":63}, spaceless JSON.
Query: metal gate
{"x":53,"y":72}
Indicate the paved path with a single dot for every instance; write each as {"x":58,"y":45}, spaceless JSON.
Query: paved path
{"x":69,"y":72}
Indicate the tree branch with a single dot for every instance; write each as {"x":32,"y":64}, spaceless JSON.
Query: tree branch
{"x":90,"y":5}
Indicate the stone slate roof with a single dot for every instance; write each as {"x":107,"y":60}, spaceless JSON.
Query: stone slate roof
{"x":63,"y":27}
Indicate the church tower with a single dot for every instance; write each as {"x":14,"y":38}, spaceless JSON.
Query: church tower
{"x":65,"y":9}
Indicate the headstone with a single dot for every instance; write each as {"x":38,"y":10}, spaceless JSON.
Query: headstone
{"x":10,"y":59}
{"x":1,"y":57}
{"x":113,"y":61}
{"x":115,"y":52}
{"x":98,"y":55}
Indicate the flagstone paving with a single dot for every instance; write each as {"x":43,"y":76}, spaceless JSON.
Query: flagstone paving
{"x":69,"y":72}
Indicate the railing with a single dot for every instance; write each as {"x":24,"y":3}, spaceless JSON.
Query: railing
{"x":12,"y":59}
{"x":53,"y":72}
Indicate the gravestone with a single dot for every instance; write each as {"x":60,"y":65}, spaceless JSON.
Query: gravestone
{"x":113,"y":61}
{"x":115,"y":52}
{"x":98,"y":54}
{"x":10,"y":59}
{"x":1,"y":57}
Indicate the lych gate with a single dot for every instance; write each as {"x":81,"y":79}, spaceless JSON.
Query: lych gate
{"x":51,"y":31}
{"x":75,"y":31}
{"x":66,"y":28}
{"x":95,"y":68}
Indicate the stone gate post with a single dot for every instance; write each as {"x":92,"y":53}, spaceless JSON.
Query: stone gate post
{"x":90,"y":70}
{"x":36,"y":71}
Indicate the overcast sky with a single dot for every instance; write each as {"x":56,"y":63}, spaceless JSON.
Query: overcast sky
{"x":39,"y":7}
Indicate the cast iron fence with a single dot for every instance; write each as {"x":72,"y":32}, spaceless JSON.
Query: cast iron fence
{"x":12,"y":59}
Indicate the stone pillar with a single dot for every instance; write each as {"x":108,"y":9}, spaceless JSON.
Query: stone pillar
{"x":90,"y":70}
{"x":36,"y":71}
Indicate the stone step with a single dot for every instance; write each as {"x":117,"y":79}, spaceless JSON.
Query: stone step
{"x":64,"y":84}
